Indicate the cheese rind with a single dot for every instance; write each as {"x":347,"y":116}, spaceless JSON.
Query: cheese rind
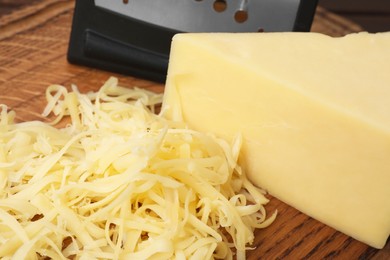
{"x":314,"y":112}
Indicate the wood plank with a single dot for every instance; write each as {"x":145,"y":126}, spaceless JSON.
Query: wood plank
{"x":373,"y":16}
{"x":356,"y":6}
{"x":8,"y":6}
{"x":371,"y":23}
{"x":33,"y":48}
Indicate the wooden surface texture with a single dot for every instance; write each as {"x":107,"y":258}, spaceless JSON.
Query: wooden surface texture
{"x":33,"y":46}
{"x":373,"y":15}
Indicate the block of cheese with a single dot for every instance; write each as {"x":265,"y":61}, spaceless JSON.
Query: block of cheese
{"x":314,"y":113}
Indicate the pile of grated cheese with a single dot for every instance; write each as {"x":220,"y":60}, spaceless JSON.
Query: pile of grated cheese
{"x":121,"y":182}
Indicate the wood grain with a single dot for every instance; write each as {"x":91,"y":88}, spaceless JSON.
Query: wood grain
{"x":33,"y":46}
{"x":373,"y":15}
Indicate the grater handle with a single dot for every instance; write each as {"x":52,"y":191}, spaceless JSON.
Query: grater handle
{"x":125,"y":55}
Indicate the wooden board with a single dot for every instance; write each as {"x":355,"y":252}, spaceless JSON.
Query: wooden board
{"x":373,"y":15}
{"x":33,"y":46}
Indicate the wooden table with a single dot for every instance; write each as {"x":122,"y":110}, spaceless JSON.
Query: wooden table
{"x":33,"y":46}
{"x":373,"y":15}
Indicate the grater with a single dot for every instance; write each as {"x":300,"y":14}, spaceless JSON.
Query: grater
{"x":133,"y":37}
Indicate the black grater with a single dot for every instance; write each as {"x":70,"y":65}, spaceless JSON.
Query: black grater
{"x":133,"y":36}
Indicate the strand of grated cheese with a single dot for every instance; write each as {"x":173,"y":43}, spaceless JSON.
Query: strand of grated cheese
{"x":121,"y":182}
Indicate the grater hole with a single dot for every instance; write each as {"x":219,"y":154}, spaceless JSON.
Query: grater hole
{"x":125,"y":1}
{"x":241,"y":16}
{"x":219,"y":5}
{"x":260,"y":30}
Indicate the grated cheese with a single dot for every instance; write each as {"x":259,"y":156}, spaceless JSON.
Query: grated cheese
{"x":121,"y":182}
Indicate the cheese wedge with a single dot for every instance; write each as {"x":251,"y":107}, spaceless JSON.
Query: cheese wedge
{"x":314,"y":113}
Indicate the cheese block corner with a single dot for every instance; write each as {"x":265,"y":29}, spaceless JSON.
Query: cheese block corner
{"x":314,"y":112}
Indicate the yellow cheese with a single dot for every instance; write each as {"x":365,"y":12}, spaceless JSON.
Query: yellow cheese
{"x":120,"y":182}
{"x":314,"y":112}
